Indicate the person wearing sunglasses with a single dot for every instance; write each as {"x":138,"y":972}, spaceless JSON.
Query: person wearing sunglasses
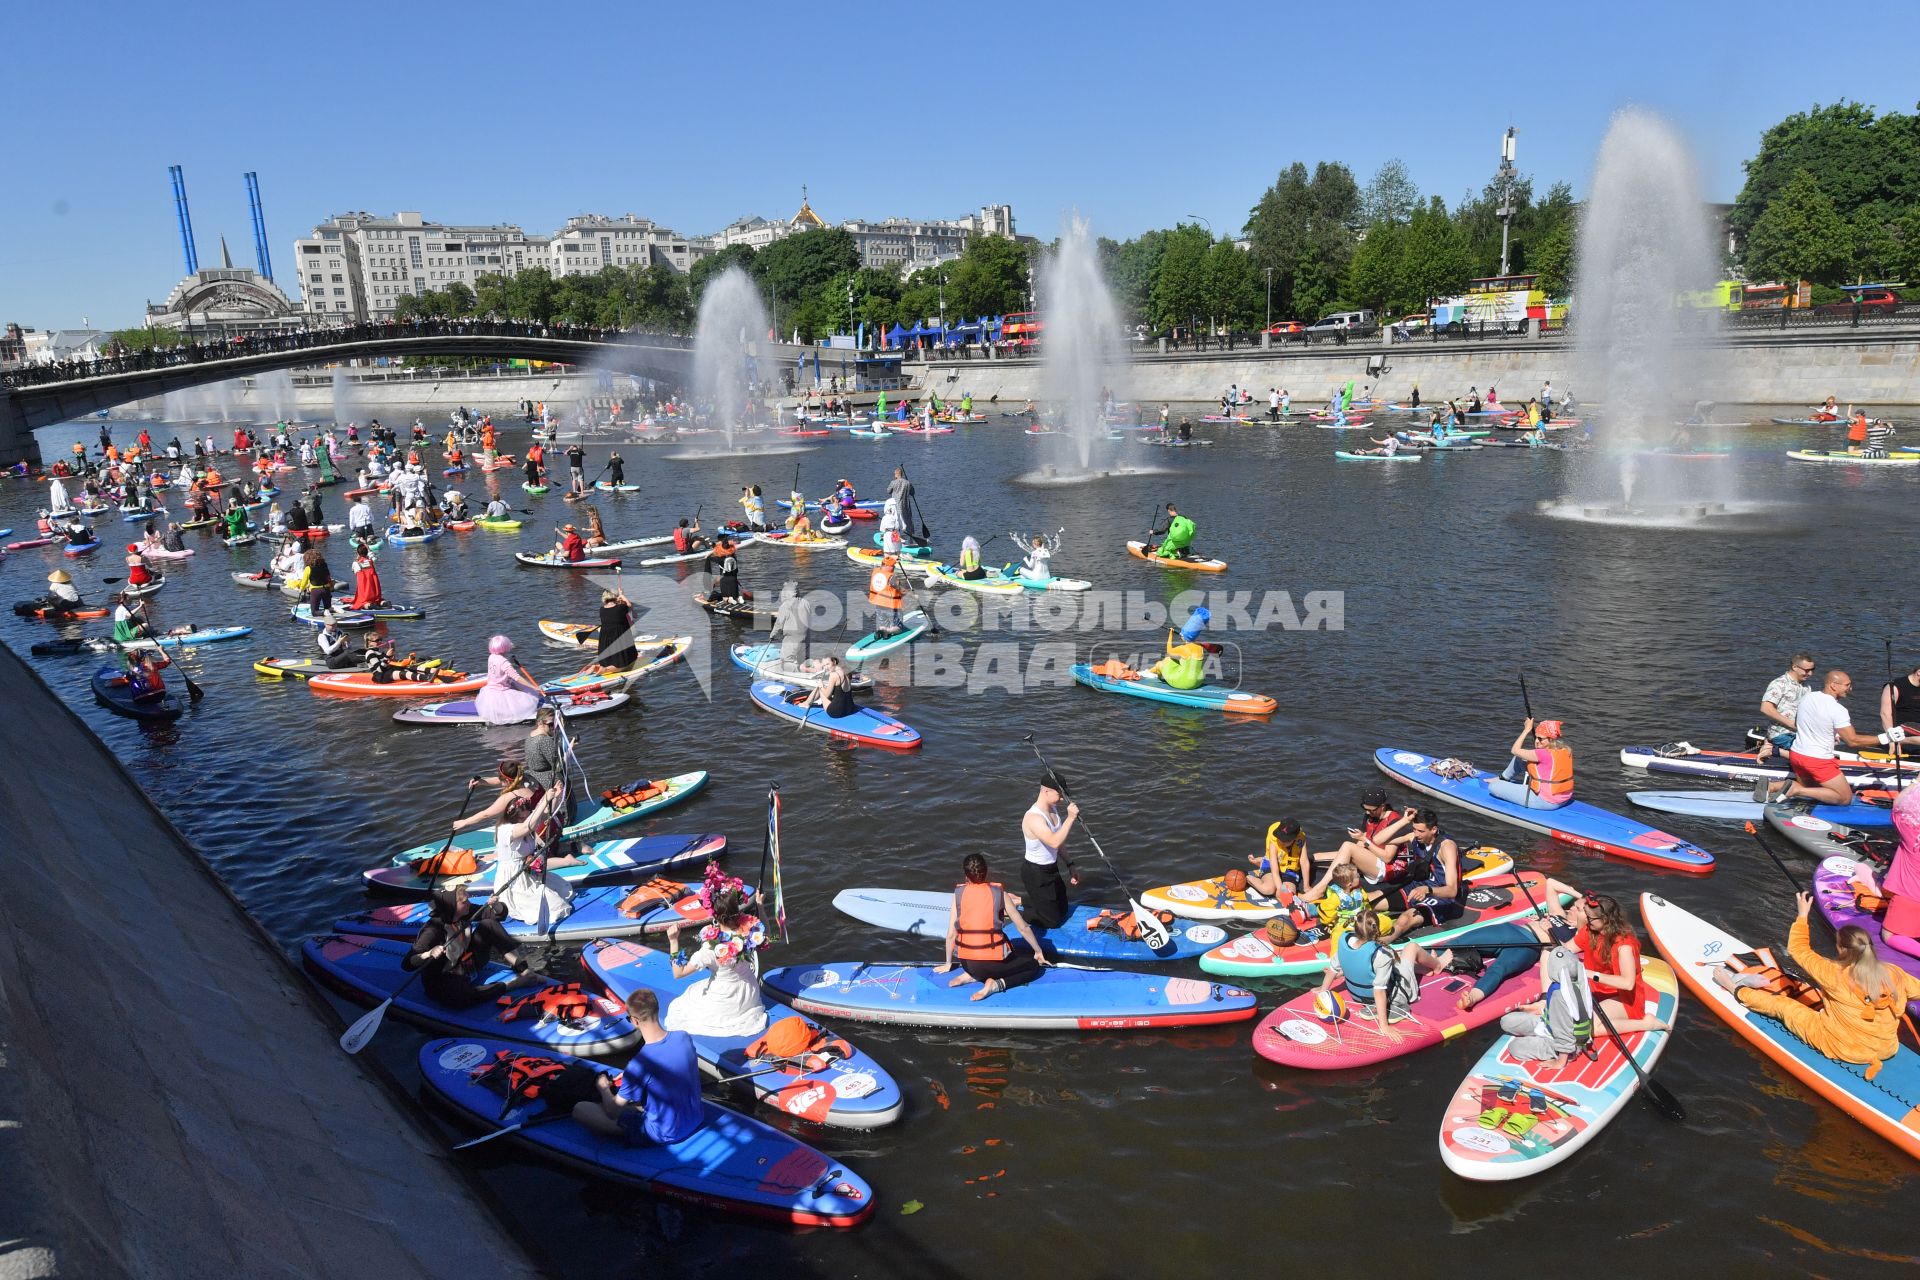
{"x":1780,"y":704}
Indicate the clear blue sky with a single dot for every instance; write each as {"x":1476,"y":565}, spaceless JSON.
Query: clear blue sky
{"x":692,"y":115}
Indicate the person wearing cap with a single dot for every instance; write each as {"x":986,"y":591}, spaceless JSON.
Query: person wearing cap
{"x":1540,"y":776}
{"x":1045,"y":834}
{"x":1284,"y":864}
{"x":1373,"y":847}
{"x":571,"y":547}
{"x":62,"y":598}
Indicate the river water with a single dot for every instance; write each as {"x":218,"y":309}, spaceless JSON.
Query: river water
{"x":1029,"y":1153}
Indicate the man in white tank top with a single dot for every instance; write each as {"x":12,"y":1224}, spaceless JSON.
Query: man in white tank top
{"x":1045,"y":900}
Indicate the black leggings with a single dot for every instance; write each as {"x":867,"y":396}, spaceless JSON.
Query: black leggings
{"x":1045,"y":901}
{"x":1016,"y":970}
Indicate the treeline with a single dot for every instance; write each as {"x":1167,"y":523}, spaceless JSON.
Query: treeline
{"x":1833,"y":196}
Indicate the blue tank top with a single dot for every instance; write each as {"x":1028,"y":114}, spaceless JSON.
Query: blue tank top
{"x":1429,"y":854}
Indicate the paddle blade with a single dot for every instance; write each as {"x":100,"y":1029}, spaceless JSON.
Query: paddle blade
{"x":362,"y":1031}
{"x":1662,"y":1102}
{"x":489,"y":1137}
{"x":1152,"y":930}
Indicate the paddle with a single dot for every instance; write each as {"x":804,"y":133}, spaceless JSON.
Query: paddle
{"x":533,"y":1123}
{"x":1891,"y":716}
{"x":194,"y":691}
{"x":1153,"y":522}
{"x":1151,"y":929}
{"x":363,"y":1030}
{"x":1663,"y":1102}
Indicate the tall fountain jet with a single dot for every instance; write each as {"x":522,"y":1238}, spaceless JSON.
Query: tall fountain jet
{"x":1639,"y":350}
{"x":728,"y":369}
{"x":1080,"y":345}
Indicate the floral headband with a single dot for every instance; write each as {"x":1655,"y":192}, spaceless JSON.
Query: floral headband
{"x":715,"y":883}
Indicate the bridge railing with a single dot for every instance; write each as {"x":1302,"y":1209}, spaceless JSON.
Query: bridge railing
{"x":320,"y":340}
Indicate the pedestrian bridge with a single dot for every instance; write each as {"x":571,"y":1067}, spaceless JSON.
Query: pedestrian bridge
{"x":40,"y":396}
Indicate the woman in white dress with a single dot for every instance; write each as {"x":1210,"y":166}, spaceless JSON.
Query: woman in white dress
{"x":727,"y":1003}
{"x":541,"y":900}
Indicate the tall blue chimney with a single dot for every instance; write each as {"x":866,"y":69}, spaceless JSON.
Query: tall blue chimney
{"x":260,"y":254}
{"x":191,"y":254}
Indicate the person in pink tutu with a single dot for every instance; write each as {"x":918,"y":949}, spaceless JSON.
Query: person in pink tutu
{"x":506,"y":698}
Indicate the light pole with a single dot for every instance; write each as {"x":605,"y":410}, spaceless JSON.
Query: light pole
{"x":1269,"y":297}
{"x":850,"y":326}
{"x":943,"y":304}
{"x":1506,"y":193}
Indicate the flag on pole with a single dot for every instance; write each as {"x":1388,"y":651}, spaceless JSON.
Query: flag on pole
{"x":770,"y":859}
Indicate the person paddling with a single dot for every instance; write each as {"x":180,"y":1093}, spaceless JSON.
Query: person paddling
{"x":456,"y":945}
{"x":1045,"y":834}
{"x":976,"y":938}
{"x":1175,"y":538}
{"x":1540,"y":776}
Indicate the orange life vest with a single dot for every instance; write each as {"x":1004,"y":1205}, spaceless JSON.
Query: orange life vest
{"x":567,"y":1000}
{"x":452,"y":862}
{"x":978,"y":909}
{"x":523,"y":1074}
{"x":638,"y":795}
{"x":1550,"y":773}
{"x":654,"y":893}
{"x":881,"y":589}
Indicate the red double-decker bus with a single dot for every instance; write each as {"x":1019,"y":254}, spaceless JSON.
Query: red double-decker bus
{"x":1021,"y":329}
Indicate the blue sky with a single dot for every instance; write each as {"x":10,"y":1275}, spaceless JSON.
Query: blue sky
{"x":1136,"y":114}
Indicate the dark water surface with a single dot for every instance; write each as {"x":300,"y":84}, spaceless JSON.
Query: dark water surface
{"x":1152,"y":1154}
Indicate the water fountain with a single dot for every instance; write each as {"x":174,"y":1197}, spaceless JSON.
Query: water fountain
{"x":729,"y":371}
{"x":273,"y":395}
{"x":1644,"y":240}
{"x":1082,"y":354}
{"x":343,"y":397}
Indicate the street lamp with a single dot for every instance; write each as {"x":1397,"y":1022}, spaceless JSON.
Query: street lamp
{"x":850,"y":327}
{"x":1197,"y":218}
{"x":943,"y":303}
{"x":1269,"y":297}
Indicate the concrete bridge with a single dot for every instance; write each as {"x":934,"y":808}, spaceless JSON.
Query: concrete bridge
{"x":31,"y":398}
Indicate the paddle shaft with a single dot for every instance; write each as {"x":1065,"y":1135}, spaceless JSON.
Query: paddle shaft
{"x":1892,"y":717}
{"x":1083,"y":825}
{"x":194,"y":691}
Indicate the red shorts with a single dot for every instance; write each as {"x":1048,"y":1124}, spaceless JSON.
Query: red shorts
{"x":1812,"y":772}
{"x":1903,"y":916}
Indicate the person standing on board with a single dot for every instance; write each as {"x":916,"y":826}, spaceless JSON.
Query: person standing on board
{"x":1045,"y":834}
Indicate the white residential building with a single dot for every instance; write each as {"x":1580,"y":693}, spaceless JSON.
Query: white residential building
{"x":589,"y":242}
{"x":903,"y":244}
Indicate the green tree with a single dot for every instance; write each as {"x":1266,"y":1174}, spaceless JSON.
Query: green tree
{"x":1799,"y":235}
{"x":1554,"y":257}
{"x":1391,"y":195}
{"x":1905,"y":261}
{"x":1233,"y":298}
{"x":990,"y":278}
{"x":1373,"y":276}
{"x":1855,"y":157}
{"x":790,"y":273}
{"x":1135,"y":267}
{"x":147,"y":338}
{"x":1180,"y":287}
{"x":1305,"y":228}
{"x":1434,"y":261}
{"x":920,"y":298}
{"x":734,"y":255}
{"x":460,"y":299}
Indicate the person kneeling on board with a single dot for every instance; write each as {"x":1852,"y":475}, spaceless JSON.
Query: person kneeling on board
{"x":1540,"y":776}
{"x":1822,"y":724}
{"x":657,"y":1098}
{"x":728,"y":1002}
{"x":976,"y":940}
{"x":1861,"y":999}
{"x":456,"y":943}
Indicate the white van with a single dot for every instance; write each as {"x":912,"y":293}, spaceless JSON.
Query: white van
{"x":1343,"y":320}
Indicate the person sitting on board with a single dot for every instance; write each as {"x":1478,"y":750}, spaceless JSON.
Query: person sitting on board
{"x":138,"y":575}
{"x":1900,"y":705}
{"x":1863,"y":999}
{"x":1540,"y":776}
{"x":1428,"y":893}
{"x":1781,"y":702}
{"x":1559,"y":1024}
{"x":458,"y":941}
{"x":129,"y":618}
{"x":1185,"y":663}
{"x":62,"y":598}
{"x":1175,"y":538}
{"x":686,"y":538}
{"x":1045,"y":834}
{"x":798,"y":525}
{"x":520,"y":880}
{"x":1611,"y":955}
{"x":571,"y":547}
{"x":1388,"y":447}
{"x":976,"y":939}
{"x":143,"y":675}
{"x":1373,"y":847}
{"x":969,"y":565}
{"x":497,"y":509}
{"x":844,"y":492}
{"x":727,"y":1002}
{"x":1821,"y":724}
{"x":366,"y":584}
{"x":832,"y":514}
{"x":80,"y":534}
{"x":833,"y":694}
{"x":1383,"y":980}
{"x":1828,"y":412}
{"x":884,"y":592}
{"x":454,"y":505}
{"x":1281,"y":869}
{"x":655,"y":1100}
{"x":1513,"y":946}
{"x":1037,"y":564}
{"x":613,"y":636}
{"x":335,"y":649}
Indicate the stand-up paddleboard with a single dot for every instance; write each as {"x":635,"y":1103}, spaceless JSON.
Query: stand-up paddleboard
{"x":1063,"y":998}
{"x":1577,"y":823}
{"x":1512,"y":1118}
{"x":863,"y":726}
{"x":174,"y":640}
{"x":362,"y":684}
{"x":652,"y":657}
{"x":1210,"y":899}
{"x":1492,"y":900}
{"x":764,"y":660}
{"x":599,"y":863}
{"x":601,"y":911}
{"x":1848,"y":892}
{"x":912,"y":625}
{"x":1088,"y":932}
{"x":1207,"y":697}
{"x":1300,"y":1034}
{"x":992,"y":583}
{"x":841,"y":1086}
{"x":1138,"y":550}
{"x":1820,"y":839}
{"x":1690,"y":761}
{"x":1889,"y":1104}
{"x":466,"y":710}
{"x":731,"y":1163}
{"x":369,"y":970}
{"x":1893,"y":458}
{"x":1872,"y":809}
{"x":548,"y":560}
{"x":670,"y":791}
{"x":1344,"y":456}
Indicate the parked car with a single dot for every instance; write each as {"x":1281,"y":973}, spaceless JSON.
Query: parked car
{"x":1341,"y":320}
{"x":1881,"y":299}
{"x":1285,"y":328}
